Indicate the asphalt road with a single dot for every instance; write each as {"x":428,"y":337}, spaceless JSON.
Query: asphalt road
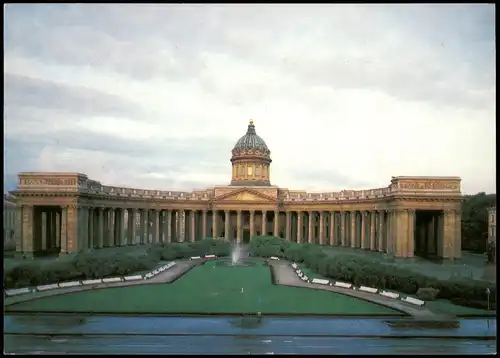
{"x":240,"y":345}
{"x":45,"y":334}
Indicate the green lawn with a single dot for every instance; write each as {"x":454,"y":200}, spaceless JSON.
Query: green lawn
{"x":209,"y":288}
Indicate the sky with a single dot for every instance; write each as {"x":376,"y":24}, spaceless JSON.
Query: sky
{"x":345,"y":96}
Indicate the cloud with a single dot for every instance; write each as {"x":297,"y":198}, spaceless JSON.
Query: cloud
{"x":156,"y":95}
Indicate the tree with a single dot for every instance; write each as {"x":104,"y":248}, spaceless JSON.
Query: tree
{"x":475,"y":221}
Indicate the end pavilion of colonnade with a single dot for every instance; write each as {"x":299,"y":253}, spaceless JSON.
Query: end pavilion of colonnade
{"x":70,"y":212}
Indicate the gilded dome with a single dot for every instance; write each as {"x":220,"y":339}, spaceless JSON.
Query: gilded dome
{"x":251,"y":140}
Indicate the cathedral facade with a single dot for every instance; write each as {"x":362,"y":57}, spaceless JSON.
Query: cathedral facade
{"x":70,"y":212}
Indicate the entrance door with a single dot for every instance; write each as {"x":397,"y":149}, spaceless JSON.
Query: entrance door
{"x":246,"y":236}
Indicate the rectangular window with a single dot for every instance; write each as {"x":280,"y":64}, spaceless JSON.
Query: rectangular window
{"x":242,"y":170}
{"x":250,"y":171}
{"x":257,"y":171}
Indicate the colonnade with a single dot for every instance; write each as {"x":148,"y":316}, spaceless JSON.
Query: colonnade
{"x":396,"y":231}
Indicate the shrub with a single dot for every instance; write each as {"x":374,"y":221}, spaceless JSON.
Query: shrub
{"x":108,"y":262}
{"x":427,"y":293}
{"x":361,"y":271}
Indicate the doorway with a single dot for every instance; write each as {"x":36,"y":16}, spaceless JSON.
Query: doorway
{"x":246,"y":236}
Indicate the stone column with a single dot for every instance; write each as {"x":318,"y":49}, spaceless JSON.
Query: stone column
{"x":380,"y":237}
{"x":27,"y":222}
{"x":192,"y":214}
{"x":252,"y":224}
{"x":353,"y":229}
{"x":363,"y":229}
{"x":343,"y":235}
{"x":310,"y":227}
{"x":238,"y":229}
{"x":299,"y":226}
{"x":204,"y":224}
{"x":321,"y":227}
{"x":214,"y":223}
{"x":288,"y":226}
{"x":227,"y":224}
{"x":372,"y":230}
{"x":276,"y":223}
{"x":332,"y":228}
{"x":411,"y":233}
{"x":264,"y":222}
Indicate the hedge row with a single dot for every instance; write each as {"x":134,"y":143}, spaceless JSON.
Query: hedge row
{"x":102,"y":263}
{"x":362,"y":271}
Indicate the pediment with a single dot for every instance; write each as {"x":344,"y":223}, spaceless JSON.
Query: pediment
{"x":245,"y":194}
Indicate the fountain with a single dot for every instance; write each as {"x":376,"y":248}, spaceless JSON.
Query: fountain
{"x":235,"y":255}
{"x":237,"y":259}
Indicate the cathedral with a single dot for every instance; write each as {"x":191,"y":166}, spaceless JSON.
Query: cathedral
{"x":69,"y":212}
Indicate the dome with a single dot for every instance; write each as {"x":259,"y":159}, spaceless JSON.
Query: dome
{"x":251,"y":160}
{"x":251,"y":140}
